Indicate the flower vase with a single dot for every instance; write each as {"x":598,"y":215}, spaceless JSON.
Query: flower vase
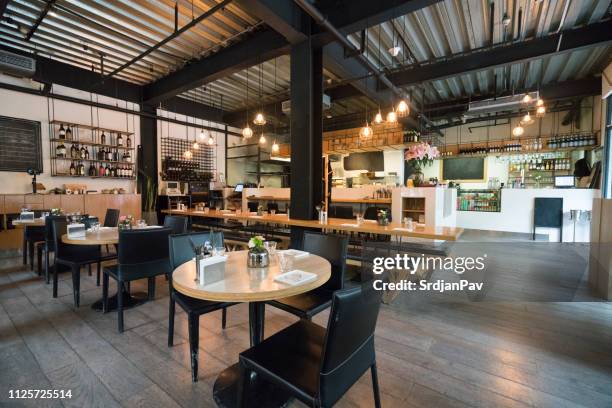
{"x":258,"y":257}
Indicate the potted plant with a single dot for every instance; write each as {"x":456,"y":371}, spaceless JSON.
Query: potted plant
{"x":125,"y":222}
{"x":419,"y":156}
{"x":258,"y":256}
{"x":149,"y":201}
{"x":382,"y":217}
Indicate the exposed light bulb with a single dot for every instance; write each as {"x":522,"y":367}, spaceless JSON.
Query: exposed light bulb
{"x":202,"y":135}
{"x":378,"y":119}
{"x":506,"y":20}
{"x":527,"y":98}
{"x":395,"y":50}
{"x":262,"y":139}
{"x":259,"y":120}
{"x":402,"y":108}
{"x":540,"y":102}
{"x":195,"y":145}
{"x":275,"y":147}
{"x":540,"y":111}
{"x":247,"y":132}
{"x":188,"y":155}
{"x":366,"y":131}
{"x":526,"y":120}
{"x":211,"y":141}
{"x":392,"y":117}
{"x":518,"y":131}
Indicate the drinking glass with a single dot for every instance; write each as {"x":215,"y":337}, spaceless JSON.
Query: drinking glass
{"x":219,"y":250}
{"x":272,"y":211}
{"x":141,"y":223}
{"x":95,"y":226}
{"x":270,"y":247}
{"x":285,"y":261}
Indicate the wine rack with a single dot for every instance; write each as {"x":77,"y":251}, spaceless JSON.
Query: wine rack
{"x":176,"y":167}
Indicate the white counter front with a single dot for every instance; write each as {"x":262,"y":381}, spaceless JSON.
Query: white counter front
{"x":517,"y":213}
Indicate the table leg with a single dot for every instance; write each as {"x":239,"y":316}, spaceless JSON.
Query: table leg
{"x":129,"y":300}
{"x":259,"y":393}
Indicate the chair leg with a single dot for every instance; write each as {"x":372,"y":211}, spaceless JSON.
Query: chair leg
{"x":99,"y":266}
{"x":194,"y":339}
{"x":223,"y":317}
{"x":120,"y":306}
{"x":31,"y":254}
{"x":47,"y":266}
{"x":88,"y":269}
{"x":76,"y":284}
{"x":171,"y":311}
{"x":375,"y":385}
{"x":151,"y":288}
{"x":243,"y":387}
{"x":39,"y":253}
{"x":105,"y":293}
{"x":24,"y":249}
{"x":55,"y":279}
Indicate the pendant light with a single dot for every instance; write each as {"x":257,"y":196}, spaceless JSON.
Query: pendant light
{"x":378,"y":119}
{"x":540,"y":111}
{"x":518,"y":131}
{"x":392,"y":116}
{"x":402,"y":108}
{"x":540,"y":102}
{"x":275,"y":147}
{"x":247,"y":132}
{"x":527,"y":120}
{"x":527,"y":98}
{"x":211,"y":140}
{"x":188,"y":155}
{"x":262,"y":139}
{"x":366,"y":131}
{"x":203,"y":132}
{"x":260,"y":119}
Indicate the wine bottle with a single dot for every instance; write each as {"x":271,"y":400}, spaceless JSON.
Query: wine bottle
{"x":92,"y":170}
{"x":60,"y":150}
{"x":109,"y":155}
{"x":82,"y":152}
{"x":103,"y":138}
{"x":128,"y":141}
{"x":101,"y":170}
{"x":62,"y":131}
{"x":86,"y":153}
{"x":119,"y":140}
{"x":68,"y":133}
{"x":72,"y":169}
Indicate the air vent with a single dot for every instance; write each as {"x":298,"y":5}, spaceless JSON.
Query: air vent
{"x":505,"y":103}
{"x":286,"y":105}
{"x":15,"y":64}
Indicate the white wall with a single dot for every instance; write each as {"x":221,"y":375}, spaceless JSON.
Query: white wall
{"x":33,"y":107}
{"x":393,"y":163}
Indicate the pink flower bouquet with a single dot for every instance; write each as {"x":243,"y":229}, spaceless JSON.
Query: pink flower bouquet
{"x":421,"y":154}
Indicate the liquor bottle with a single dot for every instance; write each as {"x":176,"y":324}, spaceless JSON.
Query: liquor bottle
{"x":119,"y":140}
{"x":92,"y":170}
{"x":103,"y":138}
{"x":86,"y":153}
{"x":60,"y":150}
{"x":68,"y":133}
{"x":109,"y":155}
{"x":72,"y":169}
{"x":82,"y":152}
{"x":116,"y":155}
{"x":127,"y":157}
{"x":101,"y":170}
{"x":100,"y":154}
{"x":62,"y":131}
{"x":81,"y":169}
{"x":128,"y":141}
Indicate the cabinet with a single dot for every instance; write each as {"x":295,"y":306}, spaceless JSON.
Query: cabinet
{"x":479,"y":200}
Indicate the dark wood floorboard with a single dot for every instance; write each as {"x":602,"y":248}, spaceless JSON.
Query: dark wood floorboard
{"x":433,"y":350}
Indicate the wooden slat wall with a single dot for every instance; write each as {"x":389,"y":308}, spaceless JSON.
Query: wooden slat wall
{"x":93,"y":204}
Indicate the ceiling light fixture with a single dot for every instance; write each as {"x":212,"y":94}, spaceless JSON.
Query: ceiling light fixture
{"x":188,"y":155}
{"x":527,"y":98}
{"x":259,"y":120}
{"x":275,"y":147}
{"x":262,"y":139}
{"x":378,"y":119}
{"x":518,"y":131}
{"x":526,"y":120}
{"x":540,"y":111}
{"x":395,"y":50}
{"x":195,"y":145}
{"x":540,"y":102}
{"x":391,"y":117}
{"x":402,"y":108}
{"x":506,"y":20}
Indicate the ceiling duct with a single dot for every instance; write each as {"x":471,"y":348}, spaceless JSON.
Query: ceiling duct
{"x":17,"y":65}
{"x":504,"y":103}
{"x":286,"y":105}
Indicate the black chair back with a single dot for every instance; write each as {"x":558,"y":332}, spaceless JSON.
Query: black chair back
{"x":371,"y":213}
{"x":177,"y":224}
{"x":111,"y":219}
{"x":348,"y":350}
{"x":334,"y":249}
{"x":49,"y":234}
{"x":272,"y":206}
{"x":181,"y":249}
{"x":341,"y":211}
{"x":252,"y":206}
{"x":137,"y":246}
{"x":69,"y":251}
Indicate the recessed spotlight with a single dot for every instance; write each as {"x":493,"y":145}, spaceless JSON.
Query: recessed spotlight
{"x":52,"y":13}
{"x":395,"y":51}
{"x":328,"y":116}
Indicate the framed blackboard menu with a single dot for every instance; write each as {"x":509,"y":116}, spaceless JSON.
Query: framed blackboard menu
{"x":463,"y":168}
{"x":371,"y":161}
{"x":20,"y":145}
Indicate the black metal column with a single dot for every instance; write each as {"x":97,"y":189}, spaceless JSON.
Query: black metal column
{"x":306,"y":134}
{"x":147,"y":151}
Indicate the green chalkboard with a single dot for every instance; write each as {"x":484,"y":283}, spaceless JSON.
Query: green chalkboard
{"x":463,"y":168}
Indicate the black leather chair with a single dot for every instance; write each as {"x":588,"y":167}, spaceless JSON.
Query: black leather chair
{"x":371,"y":213}
{"x":49,"y":243}
{"x":111,"y":218}
{"x":272,"y":206}
{"x":318,"y":366}
{"x":180,"y":252}
{"x":252,"y":206}
{"x":177,"y":224}
{"x":334,"y":249}
{"x":141,"y":254}
{"x":74,"y":257}
{"x":341,"y":211}
{"x":33,"y":235}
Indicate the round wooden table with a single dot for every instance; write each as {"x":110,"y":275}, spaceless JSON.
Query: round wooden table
{"x":36,"y":222}
{"x":255,"y":286}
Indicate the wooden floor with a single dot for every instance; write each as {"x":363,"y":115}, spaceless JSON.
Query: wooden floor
{"x":444,"y":352}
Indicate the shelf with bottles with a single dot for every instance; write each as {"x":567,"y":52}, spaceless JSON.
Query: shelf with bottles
{"x":555,"y":165}
{"x":555,"y":143}
{"x":64,"y":132}
{"x":78,"y":151}
{"x":488,"y":200}
{"x":78,"y":168}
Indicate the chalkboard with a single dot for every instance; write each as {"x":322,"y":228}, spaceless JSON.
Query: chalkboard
{"x":548,"y":212}
{"x":20,"y":145}
{"x":463,"y":168}
{"x":371,"y":161}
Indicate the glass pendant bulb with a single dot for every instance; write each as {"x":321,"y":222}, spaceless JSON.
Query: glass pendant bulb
{"x":275,"y":147}
{"x":247,"y":132}
{"x":202,"y":135}
{"x":195,"y":145}
{"x":518,"y":131}
{"x":526,"y":120}
{"x":392,"y":117}
{"x":378,"y":119}
{"x":540,"y":102}
{"x":211,"y":141}
{"x":366,"y":131}
{"x":402,"y":108}
{"x":188,"y":155}
{"x":540,"y":111}
{"x":262,"y":139}
{"x":259,"y":120}
{"x":527,"y":98}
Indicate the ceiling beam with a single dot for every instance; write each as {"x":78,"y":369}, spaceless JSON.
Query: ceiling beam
{"x":39,"y":20}
{"x":283,"y":16}
{"x":593,"y":35}
{"x":262,"y":46}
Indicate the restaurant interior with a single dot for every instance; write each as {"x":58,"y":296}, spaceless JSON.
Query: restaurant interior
{"x":256,"y":202}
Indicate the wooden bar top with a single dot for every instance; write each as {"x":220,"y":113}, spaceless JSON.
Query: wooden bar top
{"x":268,"y":198}
{"x":337,"y":224}
{"x":362,"y":200}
